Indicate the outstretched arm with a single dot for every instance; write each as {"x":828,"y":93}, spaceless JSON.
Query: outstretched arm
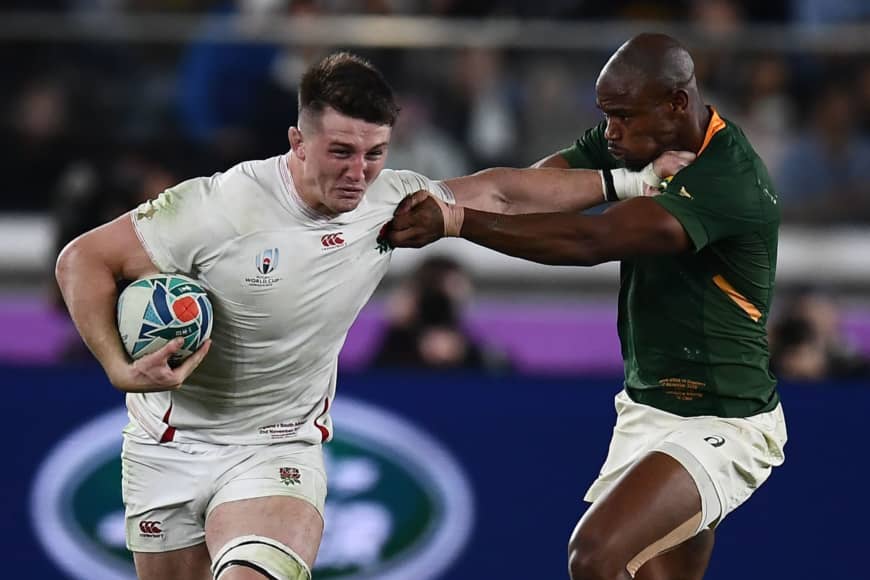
{"x":633,"y":228}
{"x":556,"y":160}
{"x":557,"y":189}
{"x":513,"y":191}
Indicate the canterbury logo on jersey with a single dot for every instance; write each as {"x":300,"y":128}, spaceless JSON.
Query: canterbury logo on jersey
{"x":150,"y":528}
{"x":332,"y":241}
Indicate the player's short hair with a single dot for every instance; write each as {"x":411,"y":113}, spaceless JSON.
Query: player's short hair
{"x":352,"y":86}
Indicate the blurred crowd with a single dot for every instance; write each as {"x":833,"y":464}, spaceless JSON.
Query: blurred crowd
{"x":101,"y":124}
{"x":427,"y":326}
{"x":808,"y":341}
{"x":93,"y":128}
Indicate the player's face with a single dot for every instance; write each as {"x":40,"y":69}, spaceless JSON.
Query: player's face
{"x":640,"y":126}
{"x":343,"y":156}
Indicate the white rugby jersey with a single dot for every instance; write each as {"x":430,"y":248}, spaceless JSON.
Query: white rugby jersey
{"x":286,"y":283}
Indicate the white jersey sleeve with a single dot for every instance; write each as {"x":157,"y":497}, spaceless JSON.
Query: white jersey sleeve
{"x":412,"y":182}
{"x":183,"y":228}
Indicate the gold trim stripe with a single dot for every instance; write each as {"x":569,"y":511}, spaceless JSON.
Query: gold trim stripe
{"x":716,"y":125}
{"x":748,"y":307}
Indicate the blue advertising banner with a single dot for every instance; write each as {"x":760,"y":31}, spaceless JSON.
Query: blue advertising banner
{"x":434,"y":476}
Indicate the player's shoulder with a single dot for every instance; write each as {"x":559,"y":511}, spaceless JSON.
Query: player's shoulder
{"x":589,"y":151}
{"x":246,"y":178}
{"x":729,"y":148}
{"x":222,"y":197}
{"x":241,"y":178}
{"x":728,"y":168}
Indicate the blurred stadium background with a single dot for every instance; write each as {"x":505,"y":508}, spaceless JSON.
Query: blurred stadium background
{"x":105,"y":103}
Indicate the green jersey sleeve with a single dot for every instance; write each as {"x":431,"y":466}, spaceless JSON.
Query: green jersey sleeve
{"x":590,"y":151}
{"x":715,"y":199}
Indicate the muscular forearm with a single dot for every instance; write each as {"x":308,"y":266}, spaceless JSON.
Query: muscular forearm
{"x":90,"y":292}
{"x":547,"y":190}
{"x":633,"y":228}
{"x":520,"y":191}
{"x":551,"y":190}
{"x":544,"y":238}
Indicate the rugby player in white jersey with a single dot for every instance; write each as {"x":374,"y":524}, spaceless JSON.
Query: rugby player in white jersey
{"x":222,"y":465}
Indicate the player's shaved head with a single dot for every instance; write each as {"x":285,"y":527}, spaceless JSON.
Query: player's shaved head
{"x":653,"y":63}
{"x":650,"y":99}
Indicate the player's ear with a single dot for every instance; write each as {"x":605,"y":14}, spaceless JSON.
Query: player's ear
{"x":294,"y":135}
{"x":679,"y":101}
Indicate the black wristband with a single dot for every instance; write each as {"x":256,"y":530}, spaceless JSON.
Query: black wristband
{"x":609,"y":188}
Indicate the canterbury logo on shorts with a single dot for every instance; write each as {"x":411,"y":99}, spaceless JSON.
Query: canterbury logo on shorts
{"x":150,"y":528}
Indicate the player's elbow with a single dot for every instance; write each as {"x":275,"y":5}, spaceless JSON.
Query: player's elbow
{"x":570,"y":251}
{"x":567,"y":242}
{"x":65,"y":264}
{"x":71,"y":262}
{"x":587,"y":256}
{"x":590,"y":259}
{"x":493,"y":191}
{"x":594,"y":245}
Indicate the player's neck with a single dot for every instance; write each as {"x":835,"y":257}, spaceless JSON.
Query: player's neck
{"x":698,"y":131}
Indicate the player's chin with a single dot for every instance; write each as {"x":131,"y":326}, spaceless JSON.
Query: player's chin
{"x":635,"y":164}
{"x":345,"y":204}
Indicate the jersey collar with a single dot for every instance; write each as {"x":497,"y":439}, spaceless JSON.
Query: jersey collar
{"x":716,"y":125}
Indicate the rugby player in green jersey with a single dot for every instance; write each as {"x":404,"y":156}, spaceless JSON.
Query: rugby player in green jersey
{"x":699,"y":425}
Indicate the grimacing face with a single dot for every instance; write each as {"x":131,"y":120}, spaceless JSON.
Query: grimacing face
{"x":342,"y":156}
{"x":640,"y":126}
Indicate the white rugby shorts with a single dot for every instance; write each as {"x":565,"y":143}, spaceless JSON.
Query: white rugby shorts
{"x":169,"y":489}
{"x":729,"y":458}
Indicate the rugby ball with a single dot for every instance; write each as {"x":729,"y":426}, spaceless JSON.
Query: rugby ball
{"x":157,"y":309}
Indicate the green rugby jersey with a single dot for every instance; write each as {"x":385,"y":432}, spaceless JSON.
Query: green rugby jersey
{"x":692,"y":326}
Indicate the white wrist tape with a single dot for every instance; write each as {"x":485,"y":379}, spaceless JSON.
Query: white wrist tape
{"x":628,"y":184}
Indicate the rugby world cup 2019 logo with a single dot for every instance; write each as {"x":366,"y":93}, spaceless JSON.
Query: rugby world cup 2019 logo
{"x":399,"y":505}
{"x":266,"y":263}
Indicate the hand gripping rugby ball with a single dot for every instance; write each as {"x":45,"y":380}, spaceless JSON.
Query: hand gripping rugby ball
{"x":156,"y":309}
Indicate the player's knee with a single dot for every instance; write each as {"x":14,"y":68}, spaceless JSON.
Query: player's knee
{"x":268,"y":557}
{"x":586,"y":565}
{"x":590,"y":559}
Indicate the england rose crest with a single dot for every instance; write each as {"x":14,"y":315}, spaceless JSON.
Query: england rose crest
{"x":290,"y":475}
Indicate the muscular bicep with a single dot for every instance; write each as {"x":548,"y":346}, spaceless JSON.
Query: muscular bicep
{"x":640,"y":227}
{"x":117,"y":247}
